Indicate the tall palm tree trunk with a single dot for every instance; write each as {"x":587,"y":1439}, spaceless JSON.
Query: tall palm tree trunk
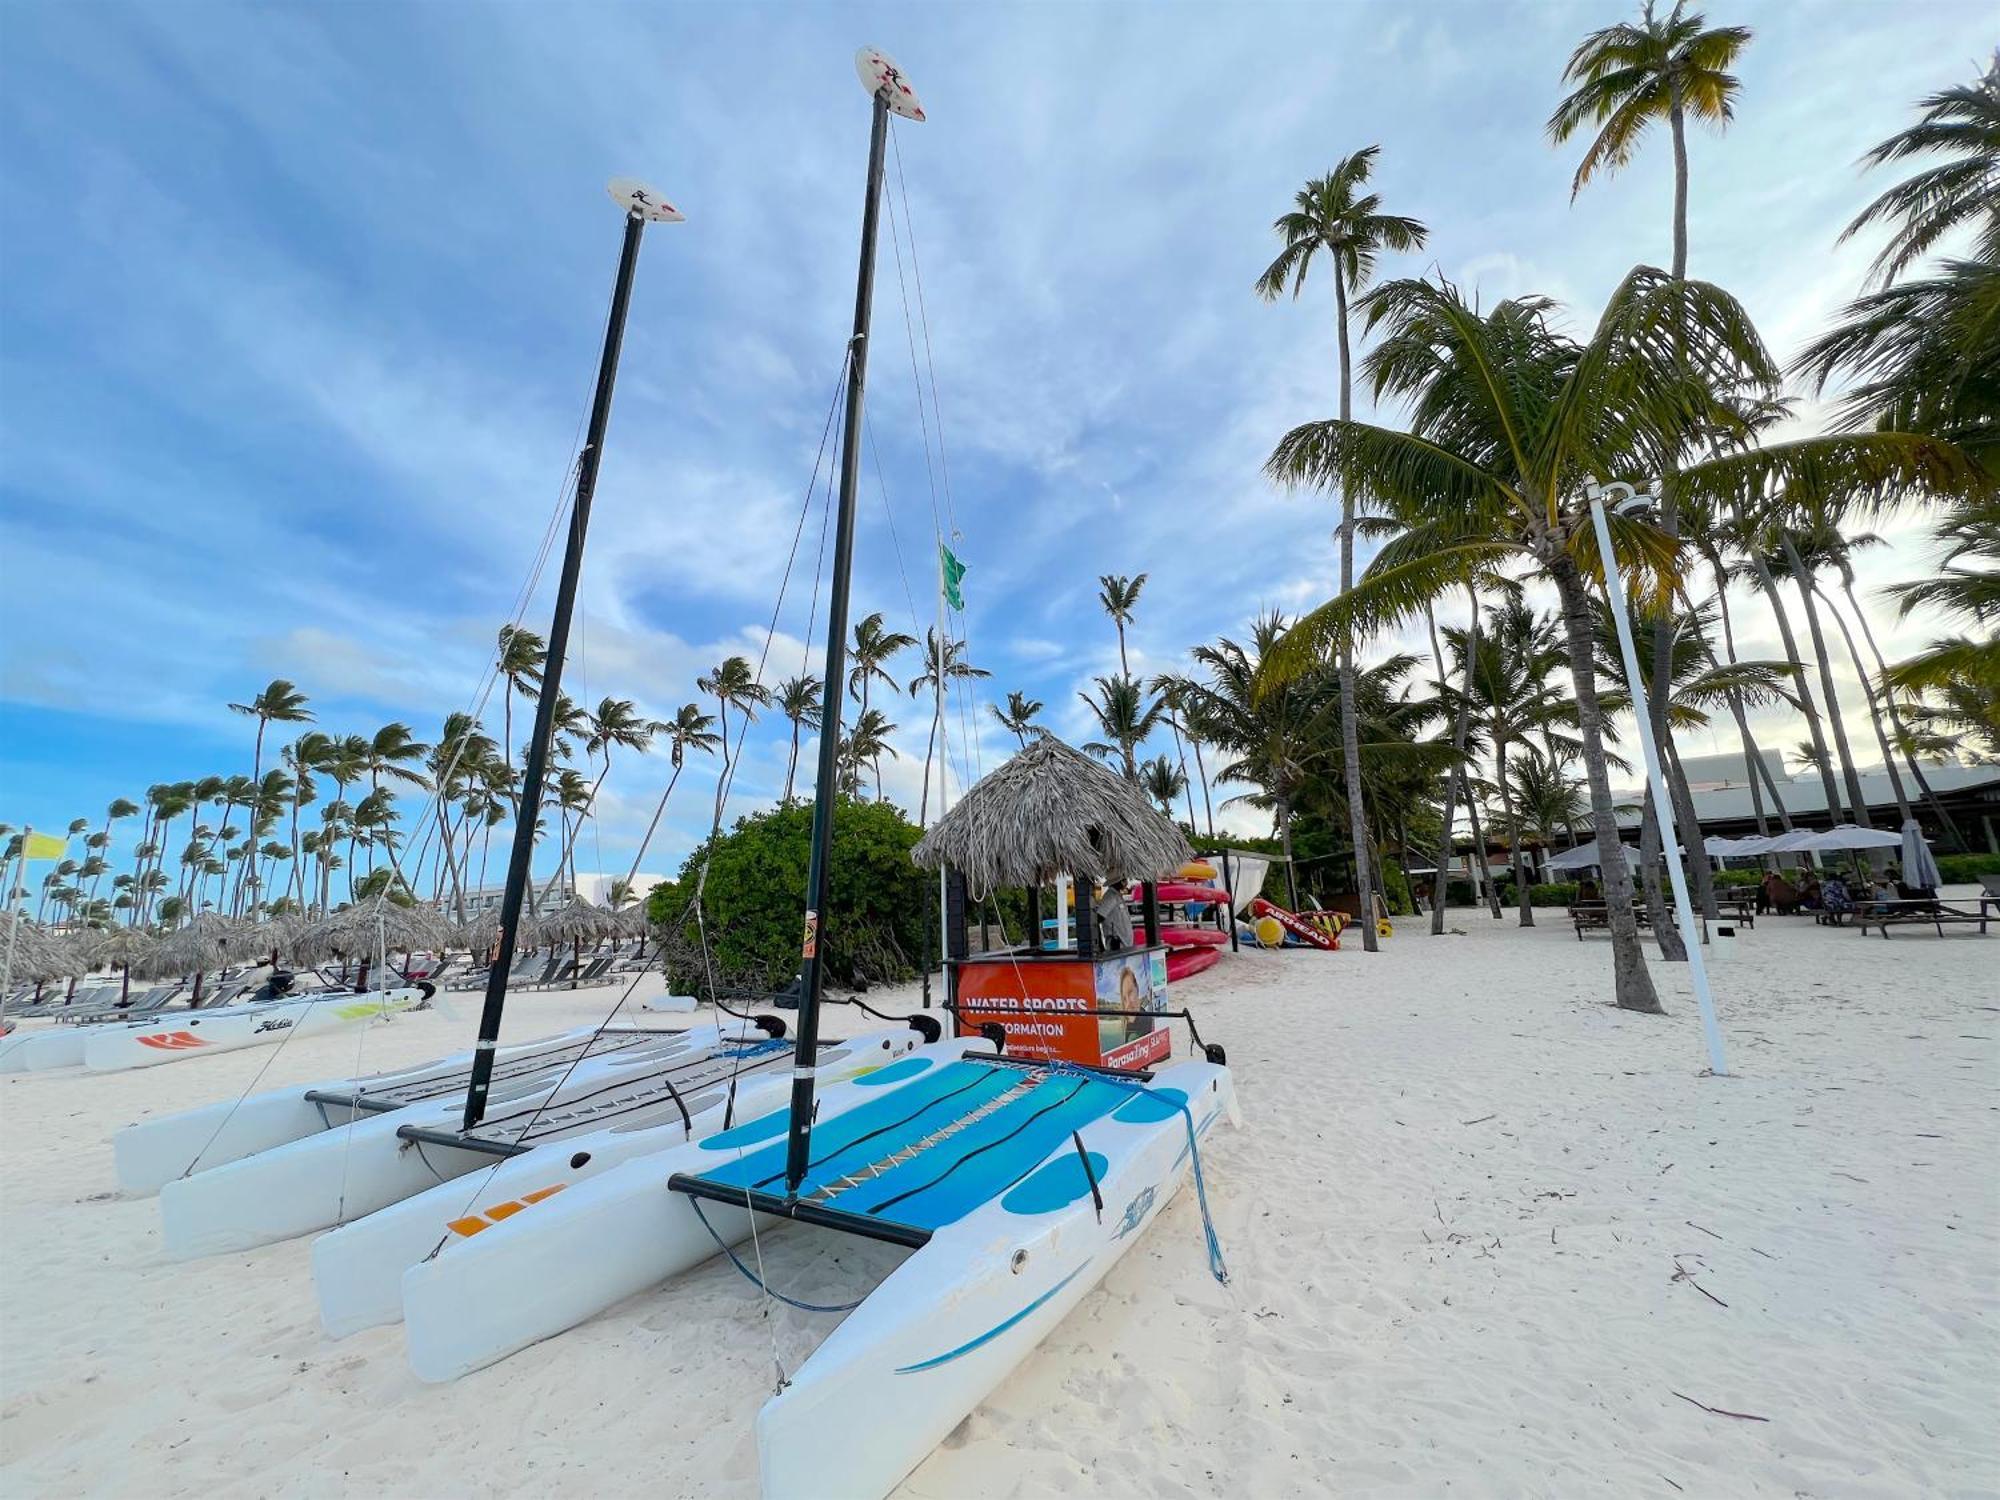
{"x":1180,"y":752}
{"x":1201,"y":770}
{"x":1814,"y":728}
{"x":1679,"y":122}
{"x":1802,"y":580}
{"x":660,"y":807}
{"x":1460,"y":730}
{"x":1896,"y":721}
{"x":1753,"y":761}
{"x":1523,"y":904}
{"x":1350,"y":730}
{"x":1632,"y":984}
{"x":1903,"y":814}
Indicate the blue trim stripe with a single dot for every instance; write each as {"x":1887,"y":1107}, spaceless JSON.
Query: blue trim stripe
{"x":992,"y":1333}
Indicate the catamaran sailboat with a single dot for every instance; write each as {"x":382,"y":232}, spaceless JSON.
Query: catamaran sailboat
{"x":1016,"y":1184}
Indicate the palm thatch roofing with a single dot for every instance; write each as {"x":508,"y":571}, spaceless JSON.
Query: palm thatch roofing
{"x":208,"y":942}
{"x":34,"y":951}
{"x":122,"y":947}
{"x":1049,"y":811}
{"x":577,"y":921}
{"x":358,"y":931}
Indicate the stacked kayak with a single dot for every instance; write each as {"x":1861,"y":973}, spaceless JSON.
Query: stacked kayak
{"x":1191,"y":946}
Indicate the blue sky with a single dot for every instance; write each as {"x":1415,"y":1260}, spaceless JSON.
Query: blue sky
{"x":301,"y":305}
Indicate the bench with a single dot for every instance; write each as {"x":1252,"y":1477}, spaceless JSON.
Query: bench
{"x":1595,"y":916}
{"x":1935,"y":914}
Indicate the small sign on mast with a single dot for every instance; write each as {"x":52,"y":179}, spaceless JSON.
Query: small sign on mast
{"x":643,"y":202}
{"x":880,"y":75}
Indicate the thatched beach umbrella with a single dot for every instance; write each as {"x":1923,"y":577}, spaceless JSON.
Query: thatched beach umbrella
{"x":208,"y":942}
{"x":124,"y":949}
{"x":1050,"y":811}
{"x":371,"y":927}
{"x":27,"y":952}
{"x":577,"y":922}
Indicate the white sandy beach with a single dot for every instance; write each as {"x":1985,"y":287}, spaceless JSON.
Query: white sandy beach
{"x":1487,"y":1236}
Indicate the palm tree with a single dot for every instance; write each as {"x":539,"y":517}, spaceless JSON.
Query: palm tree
{"x":1511,"y":420}
{"x":798,"y":701}
{"x":1120,"y":596}
{"x":732,"y":682}
{"x":864,"y":746}
{"x":1163,"y":781}
{"x":1273,"y":731}
{"x":1172,"y":691}
{"x":1628,"y":76}
{"x":306,"y":757}
{"x":1508,"y":676}
{"x":120,"y":809}
{"x":691,"y":729}
{"x":615,"y":724}
{"x":523,"y":657}
{"x":938,"y":675}
{"x":1331,"y":215}
{"x":1018,"y":717}
{"x":1962,"y":123}
{"x":870,"y":655}
{"x":1124,"y":717}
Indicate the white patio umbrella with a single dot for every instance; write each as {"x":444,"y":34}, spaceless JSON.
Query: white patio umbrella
{"x":1584,"y":857}
{"x":1787,"y":843}
{"x":1920,"y":869}
{"x":1849,"y":836}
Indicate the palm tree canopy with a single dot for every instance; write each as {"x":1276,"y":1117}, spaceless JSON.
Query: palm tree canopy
{"x":281,"y":702}
{"x":1333,"y":216}
{"x":799,"y":700}
{"x":1051,"y":810}
{"x":955,"y":667}
{"x":1018,"y":717}
{"x":1120,"y":595}
{"x":1961,"y":124}
{"x":873,"y":647}
{"x":1628,"y":76}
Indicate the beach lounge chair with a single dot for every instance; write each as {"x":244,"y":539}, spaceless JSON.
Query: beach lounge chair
{"x":597,"y":971}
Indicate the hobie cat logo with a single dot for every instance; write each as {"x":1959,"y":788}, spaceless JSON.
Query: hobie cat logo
{"x":172,"y":1041}
{"x":275,"y":1023}
{"x":1135,"y":1214}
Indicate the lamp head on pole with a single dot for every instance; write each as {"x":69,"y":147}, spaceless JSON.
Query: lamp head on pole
{"x":880,"y":75}
{"x":1624,"y":499}
{"x":643,"y":202}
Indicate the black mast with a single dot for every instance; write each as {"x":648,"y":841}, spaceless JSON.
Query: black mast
{"x":889,"y":89}
{"x":641,"y":204}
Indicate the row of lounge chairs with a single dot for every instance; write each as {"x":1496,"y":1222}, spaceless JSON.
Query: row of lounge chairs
{"x":558,"y":971}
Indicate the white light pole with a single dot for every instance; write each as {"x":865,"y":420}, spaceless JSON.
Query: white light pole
{"x":1614,"y":588}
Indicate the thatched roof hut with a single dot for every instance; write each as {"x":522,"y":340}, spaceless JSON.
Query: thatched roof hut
{"x":1049,"y":811}
{"x":358,"y":931}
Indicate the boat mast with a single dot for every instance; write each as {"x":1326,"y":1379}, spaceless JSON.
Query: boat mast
{"x":642,"y":205}
{"x":890,"y":91}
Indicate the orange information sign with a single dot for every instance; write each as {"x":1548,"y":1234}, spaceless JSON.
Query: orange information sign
{"x":1048,"y":1005}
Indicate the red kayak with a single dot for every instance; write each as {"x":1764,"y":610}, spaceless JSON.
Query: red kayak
{"x":1191,"y":937}
{"x":1177,"y":892}
{"x":1186,"y":961}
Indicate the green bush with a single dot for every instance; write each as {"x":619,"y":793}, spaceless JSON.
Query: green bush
{"x":1737,"y":878}
{"x":1396,"y":889}
{"x":1965,"y":869}
{"x":754,"y":902}
{"x":1560,"y":893}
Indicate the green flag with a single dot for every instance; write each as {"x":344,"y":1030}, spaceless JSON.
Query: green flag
{"x":953,"y":570}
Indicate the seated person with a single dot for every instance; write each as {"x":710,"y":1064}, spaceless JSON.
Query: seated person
{"x":1114,"y":920}
{"x":1834,"y":898}
{"x":1809,"y":893}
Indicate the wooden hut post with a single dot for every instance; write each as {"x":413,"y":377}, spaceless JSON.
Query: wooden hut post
{"x":1149,"y":903}
{"x":1086,"y":917}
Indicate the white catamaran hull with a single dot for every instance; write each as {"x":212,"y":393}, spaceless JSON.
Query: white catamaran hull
{"x":358,"y":1268}
{"x":337,"y":1175}
{"x":153,"y":1153}
{"x":949,"y":1324}
{"x":147,"y":1044}
{"x":566,"y":1258}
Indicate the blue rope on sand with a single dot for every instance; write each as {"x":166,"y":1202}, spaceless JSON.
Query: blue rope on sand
{"x":758,"y":1281}
{"x":1216,"y":1266}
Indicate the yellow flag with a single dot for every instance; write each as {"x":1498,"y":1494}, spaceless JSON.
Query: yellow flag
{"x":43,"y":846}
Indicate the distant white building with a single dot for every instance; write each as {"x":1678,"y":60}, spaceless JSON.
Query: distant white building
{"x":594,"y":886}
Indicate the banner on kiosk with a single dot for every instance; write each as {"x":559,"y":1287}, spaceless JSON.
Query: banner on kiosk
{"x":1046,"y":1007}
